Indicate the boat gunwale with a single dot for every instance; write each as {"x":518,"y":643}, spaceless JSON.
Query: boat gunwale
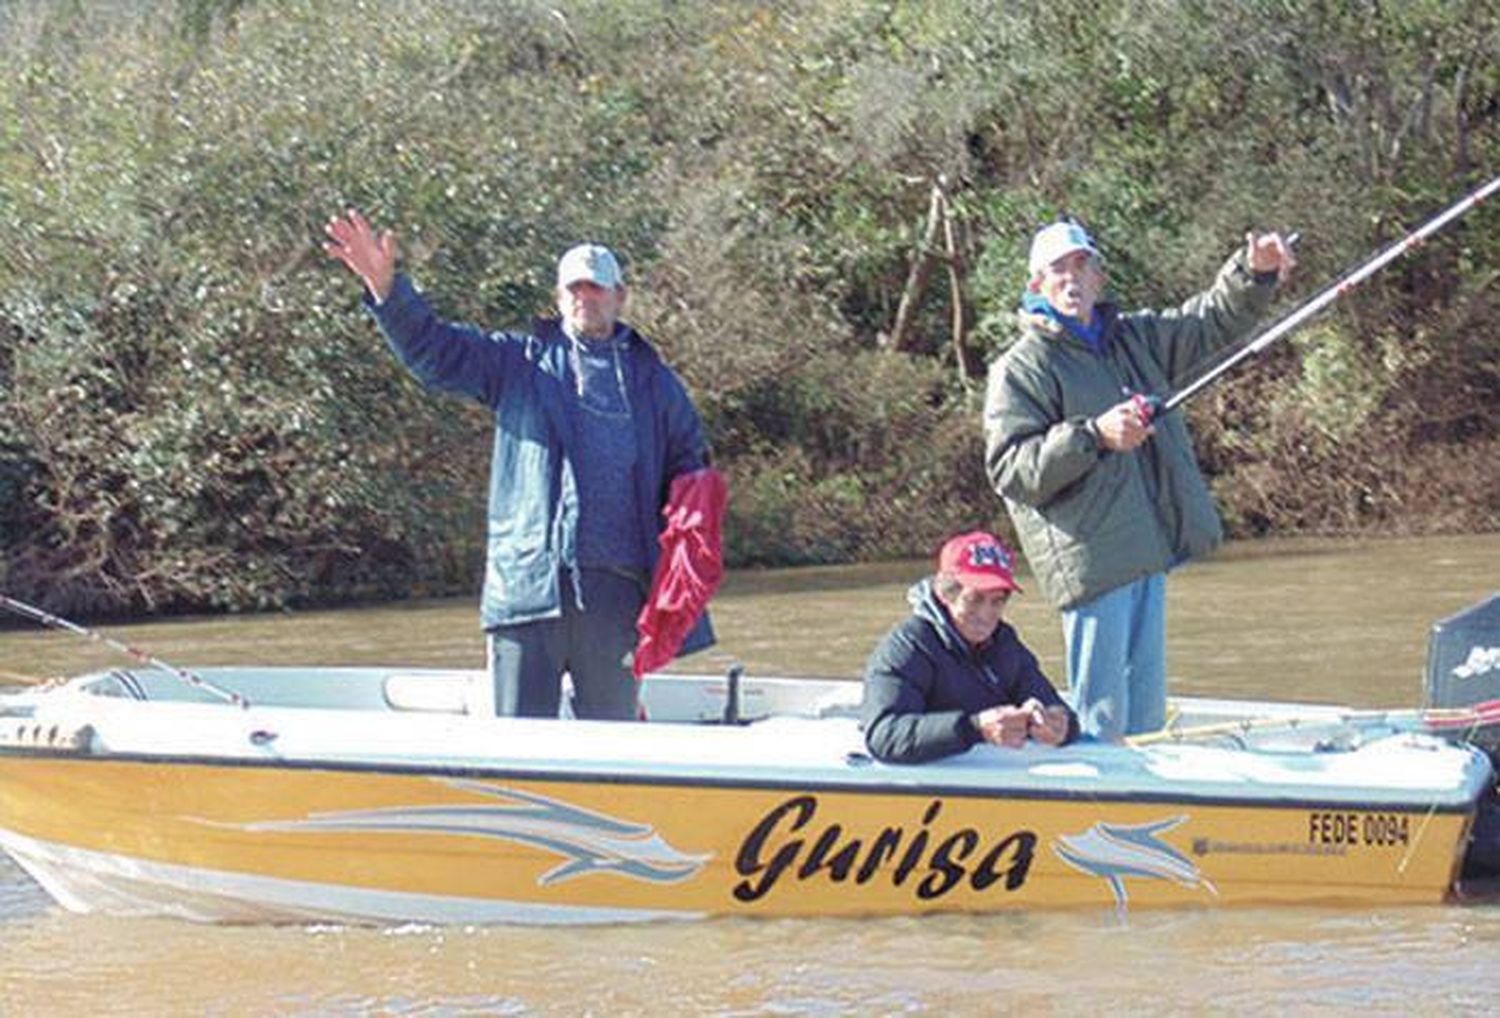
{"x":1428,"y":805}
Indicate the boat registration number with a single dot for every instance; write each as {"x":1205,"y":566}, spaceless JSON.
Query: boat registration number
{"x":1379,"y":829}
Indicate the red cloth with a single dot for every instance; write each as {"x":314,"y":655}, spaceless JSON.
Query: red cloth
{"x":689,"y":569}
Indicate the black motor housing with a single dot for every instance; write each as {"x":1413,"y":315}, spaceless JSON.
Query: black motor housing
{"x":1463,"y":669}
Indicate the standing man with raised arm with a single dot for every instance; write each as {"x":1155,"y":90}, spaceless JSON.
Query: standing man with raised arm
{"x":591,"y":427}
{"x":1106,"y":500}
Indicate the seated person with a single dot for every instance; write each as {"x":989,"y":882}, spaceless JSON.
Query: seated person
{"x":953,"y":674}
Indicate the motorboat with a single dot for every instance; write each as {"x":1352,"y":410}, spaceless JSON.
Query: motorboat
{"x":387,"y":795}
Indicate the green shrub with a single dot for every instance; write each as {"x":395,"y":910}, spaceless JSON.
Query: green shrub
{"x":196,"y":413}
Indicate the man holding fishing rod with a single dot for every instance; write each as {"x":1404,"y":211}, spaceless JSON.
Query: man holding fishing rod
{"x":591,"y":428}
{"x":1105,"y":496}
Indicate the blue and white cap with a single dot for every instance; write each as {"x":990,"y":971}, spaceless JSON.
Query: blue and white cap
{"x":594,"y":263}
{"x":1058,"y":240}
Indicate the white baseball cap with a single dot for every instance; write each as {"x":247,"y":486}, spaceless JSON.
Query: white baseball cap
{"x":1058,"y":240}
{"x":592,"y":262}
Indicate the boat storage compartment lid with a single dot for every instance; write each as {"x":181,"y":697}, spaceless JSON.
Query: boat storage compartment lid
{"x":1463,"y":656}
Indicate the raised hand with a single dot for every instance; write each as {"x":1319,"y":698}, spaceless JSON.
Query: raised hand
{"x":370,"y":257}
{"x":1270,"y":252}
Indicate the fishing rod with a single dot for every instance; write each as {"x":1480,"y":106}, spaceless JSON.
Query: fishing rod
{"x":1461,"y":723}
{"x":1160,"y":405}
{"x":57,"y":622}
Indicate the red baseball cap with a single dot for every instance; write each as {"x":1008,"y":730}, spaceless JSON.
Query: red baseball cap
{"x":979,"y":561}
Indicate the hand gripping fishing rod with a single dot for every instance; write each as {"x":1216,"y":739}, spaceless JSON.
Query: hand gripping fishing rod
{"x":1160,"y":405}
{"x":48,"y":619}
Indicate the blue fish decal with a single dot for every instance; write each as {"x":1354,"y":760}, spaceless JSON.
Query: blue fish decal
{"x":590,"y":842}
{"x":1115,"y":851}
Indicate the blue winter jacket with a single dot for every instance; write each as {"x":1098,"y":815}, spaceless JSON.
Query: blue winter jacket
{"x":533,"y":505}
{"x":924,"y":680}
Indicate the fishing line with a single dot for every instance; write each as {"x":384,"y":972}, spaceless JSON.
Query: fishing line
{"x":1483,"y":714}
{"x":140,"y":656}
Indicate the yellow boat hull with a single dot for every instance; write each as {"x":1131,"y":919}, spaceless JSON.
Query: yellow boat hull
{"x":272,"y":841}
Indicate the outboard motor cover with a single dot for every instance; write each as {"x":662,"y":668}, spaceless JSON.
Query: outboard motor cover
{"x":1463,"y":669}
{"x":1463,"y":657}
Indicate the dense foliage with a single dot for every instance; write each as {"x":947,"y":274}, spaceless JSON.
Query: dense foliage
{"x":195,"y":411}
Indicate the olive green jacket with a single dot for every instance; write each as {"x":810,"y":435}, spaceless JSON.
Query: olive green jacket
{"x":1090,"y":520}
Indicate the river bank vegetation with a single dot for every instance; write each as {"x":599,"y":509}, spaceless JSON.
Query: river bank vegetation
{"x":825,"y":206}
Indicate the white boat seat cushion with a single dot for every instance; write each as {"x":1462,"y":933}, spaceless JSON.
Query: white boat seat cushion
{"x":435,"y":692}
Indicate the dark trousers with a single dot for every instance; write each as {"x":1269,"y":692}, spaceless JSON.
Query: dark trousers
{"x":593,"y":645}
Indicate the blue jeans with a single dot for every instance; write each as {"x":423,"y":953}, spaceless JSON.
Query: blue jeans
{"x":1117,"y":659}
{"x":593,"y":645}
